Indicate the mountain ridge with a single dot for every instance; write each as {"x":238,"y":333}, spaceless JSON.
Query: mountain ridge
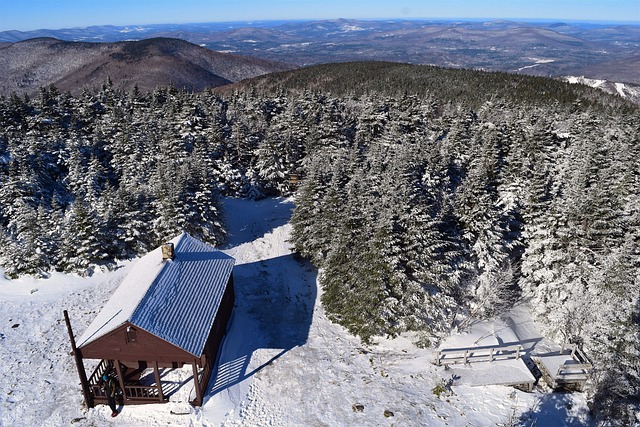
{"x":553,"y":49}
{"x":472,"y":87}
{"x":28,"y":65}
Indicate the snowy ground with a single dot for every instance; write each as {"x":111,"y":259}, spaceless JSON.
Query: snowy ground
{"x":282,"y":363}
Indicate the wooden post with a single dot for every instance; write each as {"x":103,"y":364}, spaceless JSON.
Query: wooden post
{"x":465,"y":356}
{"x":518,"y":351}
{"x":120,"y":379}
{"x":157,"y":374}
{"x":491,"y":355}
{"x":84,"y":383}
{"x":198,"y":401}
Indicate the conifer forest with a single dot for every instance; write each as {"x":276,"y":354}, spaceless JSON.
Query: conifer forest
{"x":423,"y":206}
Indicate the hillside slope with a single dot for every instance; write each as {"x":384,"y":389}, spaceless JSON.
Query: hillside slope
{"x":469,"y":87}
{"x":71,"y":66}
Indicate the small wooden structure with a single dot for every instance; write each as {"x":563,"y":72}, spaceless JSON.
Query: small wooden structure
{"x":171,"y":310}
{"x":567,"y":369}
{"x":294,"y":180}
{"x":501,"y":365}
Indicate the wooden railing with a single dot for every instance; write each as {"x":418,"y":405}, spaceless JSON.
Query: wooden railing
{"x":132,"y":392}
{"x":477,"y":354}
{"x":575,"y":369}
{"x":576,"y":352}
{"x":102,"y":367}
{"x":139,"y":392}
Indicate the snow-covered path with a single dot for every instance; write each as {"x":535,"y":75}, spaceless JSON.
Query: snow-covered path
{"x":275,"y":297}
{"x":282,"y":363}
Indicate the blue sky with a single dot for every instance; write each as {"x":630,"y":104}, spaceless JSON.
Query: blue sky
{"x":54,"y":14}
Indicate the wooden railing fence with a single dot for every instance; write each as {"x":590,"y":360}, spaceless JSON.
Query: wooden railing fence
{"x":577,"y":370}
{"x":138,"y":393}
{"x":477,"y":354}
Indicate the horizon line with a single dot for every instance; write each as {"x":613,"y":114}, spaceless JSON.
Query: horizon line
{"x":431,"y":19}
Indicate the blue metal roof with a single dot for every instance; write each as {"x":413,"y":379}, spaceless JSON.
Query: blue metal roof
{"x":181,"y":304}
{"x":176,"y":300}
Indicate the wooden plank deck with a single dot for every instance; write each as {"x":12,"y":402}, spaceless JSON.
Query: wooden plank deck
{"x":510,"y":372}
{"x":490,"y":365}
{"x":568,"y":368}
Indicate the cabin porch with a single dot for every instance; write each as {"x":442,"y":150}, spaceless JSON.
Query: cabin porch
{"x":146,"y":382}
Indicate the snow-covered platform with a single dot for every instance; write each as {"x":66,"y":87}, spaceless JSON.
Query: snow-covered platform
{"x":566,"y":369}
{"x":488,"y":365}
{"x":512,"y":372}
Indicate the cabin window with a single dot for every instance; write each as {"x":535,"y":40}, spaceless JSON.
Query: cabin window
{"x":132,"y":335}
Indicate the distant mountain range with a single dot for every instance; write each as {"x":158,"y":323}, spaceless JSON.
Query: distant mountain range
{"x":72,"y":66}
{"x":545,"y":49}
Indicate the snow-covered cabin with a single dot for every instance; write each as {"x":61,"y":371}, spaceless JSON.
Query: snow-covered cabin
{"x":171,"y":310}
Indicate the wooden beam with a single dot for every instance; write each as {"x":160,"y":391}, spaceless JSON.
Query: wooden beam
{"x":84,"y":383}
{"x":120,"y":379}
{"x":158,"y":383}
{"x":575,"y":367}
{"x":198,"y":401}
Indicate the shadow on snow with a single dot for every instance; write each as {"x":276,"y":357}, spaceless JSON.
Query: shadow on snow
{"x":556,"y":410}
{"x":248,"y":221}
{"x":275,"y":300}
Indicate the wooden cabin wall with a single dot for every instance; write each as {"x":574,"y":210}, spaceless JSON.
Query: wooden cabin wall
{"x":117,"y":346}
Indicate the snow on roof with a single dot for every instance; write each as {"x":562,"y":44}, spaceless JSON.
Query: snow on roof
{"x":176,"y":300}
